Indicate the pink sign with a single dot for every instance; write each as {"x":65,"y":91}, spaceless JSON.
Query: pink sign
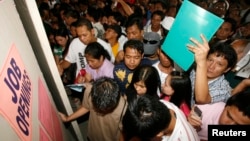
{"x":47,"y":114}
{"x":16,"y":95}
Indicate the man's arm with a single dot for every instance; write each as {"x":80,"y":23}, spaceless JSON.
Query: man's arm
{"x":83,"y":109}
{"x":201,"y":90}
{"x":80,"y":112}
{"x":62,"y":66}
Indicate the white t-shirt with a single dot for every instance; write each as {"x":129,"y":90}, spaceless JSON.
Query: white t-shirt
{"x":76,"y":53}
{"x":162,"y":75}
{"x":183,"y":131}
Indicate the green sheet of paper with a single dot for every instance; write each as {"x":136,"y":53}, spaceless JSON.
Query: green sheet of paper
{"x":190,"y":21}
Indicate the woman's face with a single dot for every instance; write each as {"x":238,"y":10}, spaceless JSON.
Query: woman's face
{"x":62,"y":41}
{"x":93,"y":62}
{"x":140,"y":88}
{"x":166,"y":87}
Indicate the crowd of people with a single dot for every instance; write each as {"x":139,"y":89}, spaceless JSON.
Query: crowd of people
{"x":132,"y":89}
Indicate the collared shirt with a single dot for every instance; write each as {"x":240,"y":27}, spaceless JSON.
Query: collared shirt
{"x":219,"y":88}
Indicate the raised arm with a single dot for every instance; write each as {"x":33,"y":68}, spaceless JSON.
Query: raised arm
{"x":127,"y":9}
{"x":201,"y":90}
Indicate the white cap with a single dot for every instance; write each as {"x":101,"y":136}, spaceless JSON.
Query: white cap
{"x":167,"y":22}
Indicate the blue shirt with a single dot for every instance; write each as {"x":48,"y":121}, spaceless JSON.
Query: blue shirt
{"x":219,"y":88}
{"x":123,"y":75}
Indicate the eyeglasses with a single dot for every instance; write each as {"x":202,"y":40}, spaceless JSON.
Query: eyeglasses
{"x":150,"y":41}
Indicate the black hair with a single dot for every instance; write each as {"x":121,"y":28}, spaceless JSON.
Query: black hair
{"x":147,"y":74}
{"x":95,"y":13}
{"x":145,"y":118}
{"x":225,"y":50}
{"x":135,"y":44}
{"x":63,"y":31}
{"x":96,"y":50}
{"x":241,"y":101}
{"x":71,"y":13}
{"x":181,"y":84}
{"x":84,"y":22}
{"x":232,"y":22}
{"x":134,"y":19}
{"x":105,"y":95}
{"x":158,"y":12}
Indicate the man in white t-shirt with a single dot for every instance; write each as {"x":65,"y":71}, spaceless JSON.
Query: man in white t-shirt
{"x":147,"y":118}
{"x":86,"y":35}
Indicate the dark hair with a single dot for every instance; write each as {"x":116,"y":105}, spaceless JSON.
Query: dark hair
{"x":134,"y":44}
{"x":118,"y":17}
{"x":165,"y":4}
{"x":62,"y":31}
{"x":84,"y":22}
{"x":147,"y":74}
{"x":96,"y":50}
{"x":232,"y":22}
{"x":226,"y":51}
{"x":105,"y":95}
{"x":134,"y":19}
{"x":117,"y":28}
{"x":145,"y":118}
{"x":95,"y":13}
{"x":73,"y":24}
{"x":159,"y":13}
{"x":71,"y":13}
{"x":241,"y":101}
{"x":181,"y":84}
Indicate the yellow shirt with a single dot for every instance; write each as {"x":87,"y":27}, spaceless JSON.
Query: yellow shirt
{"x":115,"y":48}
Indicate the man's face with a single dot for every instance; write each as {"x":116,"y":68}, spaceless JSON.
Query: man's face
{"x":133,"y":32}
{"x":132,"y":58}
{"x":156,"y":21}
{"x":232,"y":116}
{"x":86,"y":36}
{"x":225,"y":31}
{"x":159,"y":7}
{"x":216,"y":66}
{"x":111,"y":20}
{"x":164,"y":59}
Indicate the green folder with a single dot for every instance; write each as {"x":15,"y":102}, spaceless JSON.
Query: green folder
{"x":190,"y":21}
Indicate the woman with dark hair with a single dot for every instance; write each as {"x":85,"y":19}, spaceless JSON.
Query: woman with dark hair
{"x":98,"y":63}
{"x":178,"y":90}
{"x":145,"y":80}
{"x":60,"y":50}
{"x":62,"y":44}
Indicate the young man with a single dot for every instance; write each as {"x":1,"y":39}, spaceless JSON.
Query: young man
{"x":133,"y":57}
{"x":208,"y":82}
{"x":112,"y":35}
{"x":164,"y":66}
{"x":151,"y":43}
{"x":86,"y":35}
{"x":105,"y":116}
{"x":134,"y":30}
{"x":224,"y":33}
{"x":235,"y":111}
{"x":150,"y":119}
